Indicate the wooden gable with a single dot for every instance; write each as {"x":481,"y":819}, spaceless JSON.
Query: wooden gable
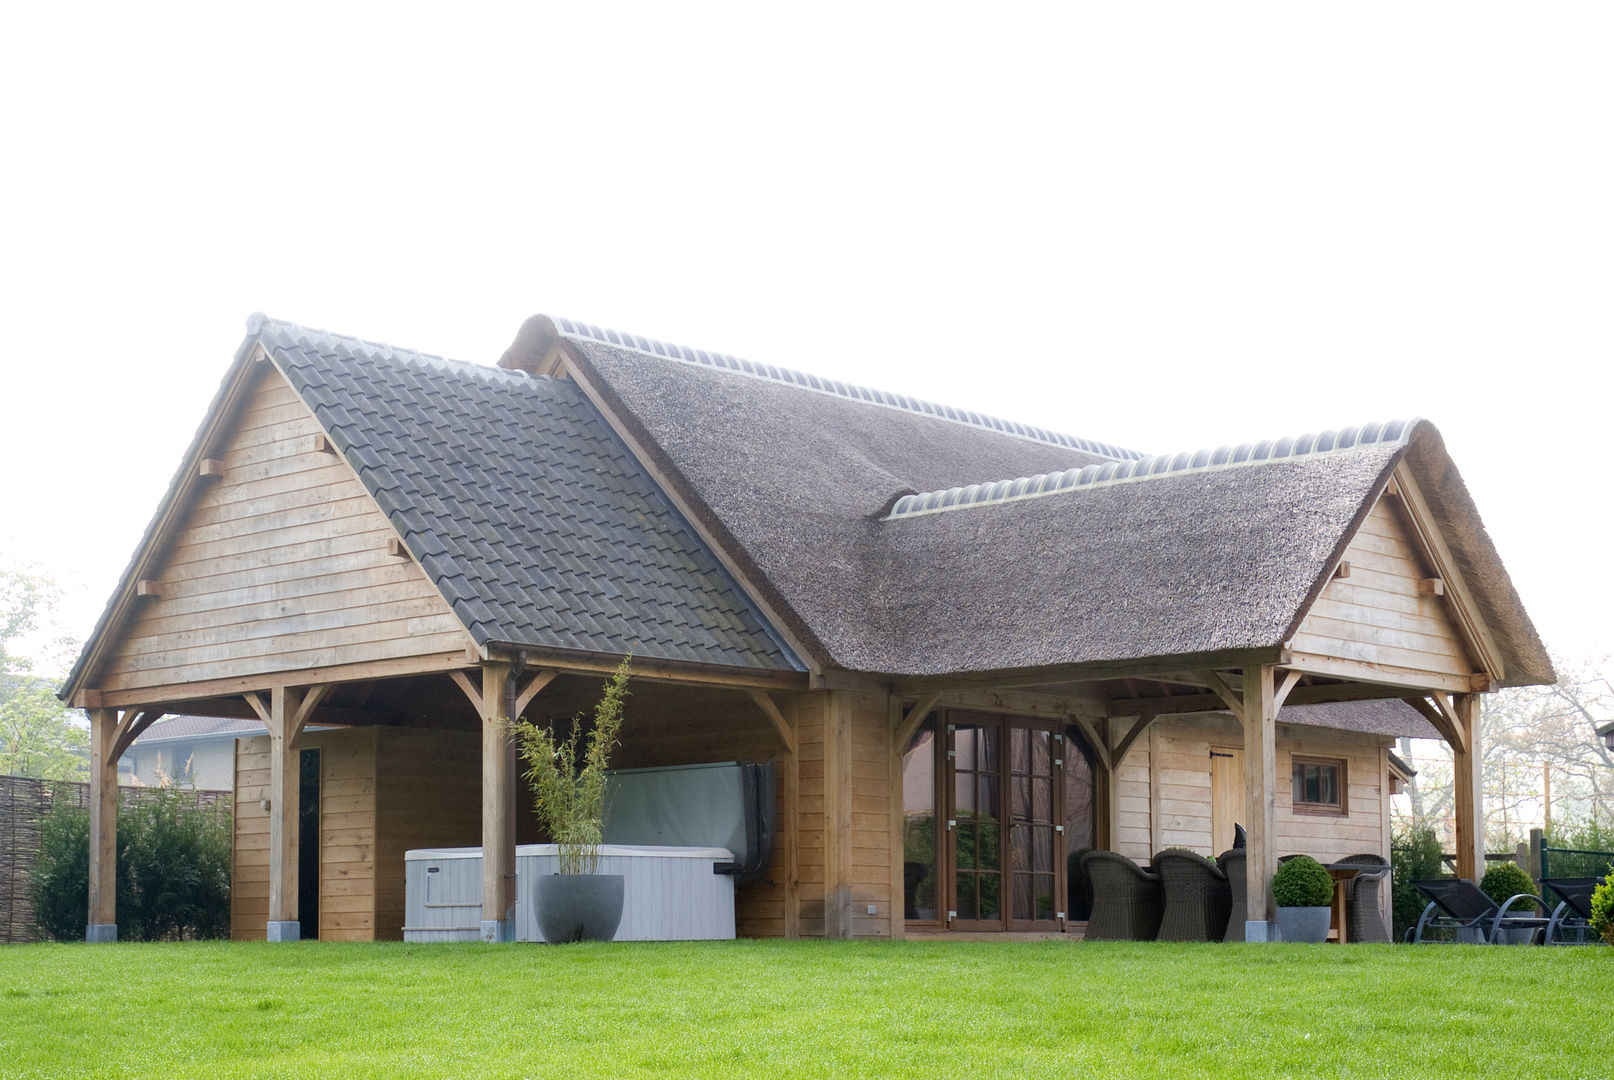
{"x":280,"y":562}
{"x":1395,"y":610}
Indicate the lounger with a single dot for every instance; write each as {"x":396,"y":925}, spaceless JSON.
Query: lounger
{"x":1459,"y":905}
{"x":1574,"y":911}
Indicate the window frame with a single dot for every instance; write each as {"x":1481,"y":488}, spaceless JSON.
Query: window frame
{"x":1341,"y":786}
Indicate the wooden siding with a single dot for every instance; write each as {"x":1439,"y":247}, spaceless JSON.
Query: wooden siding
{"x":1176,"y":784}
{"x":281,"y":564}
{"x":1376,"y":615}
{"x":870,"y":779}
{"x":347,"y":835}
{"x":810,"y":714}
{"x":428,"y":793}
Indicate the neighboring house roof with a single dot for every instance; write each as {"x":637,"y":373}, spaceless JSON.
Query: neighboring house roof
{"x":173,"y":729}
{"x":1388,"y":717}
{"x":1125,"y":559}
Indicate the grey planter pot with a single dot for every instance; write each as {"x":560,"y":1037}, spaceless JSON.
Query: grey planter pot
{"x":1303,"y":924}
{"x":1521,"y":936}
{"x":579,"y":907}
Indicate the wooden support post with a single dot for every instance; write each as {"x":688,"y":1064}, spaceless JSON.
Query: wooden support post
{"x":1260,"y":719}
{"x":103,"y":913}
{"x":838,"y":816}
{"x":1466,"y":788}
{"x":498,"y":808}
{"x":285,"y":795}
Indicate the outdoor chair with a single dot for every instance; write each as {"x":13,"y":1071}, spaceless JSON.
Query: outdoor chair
{"x":1574,"y":911}
{"x":1126,"y":899}
{"x":1364,"y":917}
{"x":1232,"y":864}
{"x":1459,"y":905}
{"x":1198,"y":898}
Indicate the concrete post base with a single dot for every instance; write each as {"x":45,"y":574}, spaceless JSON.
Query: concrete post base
{"x":1259,"y":930}
{"x":285,"y":931}
{"x":497,"y":931}
{"x":101,"y":932}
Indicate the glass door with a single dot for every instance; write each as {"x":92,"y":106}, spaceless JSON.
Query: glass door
{"x":1005,"y":846}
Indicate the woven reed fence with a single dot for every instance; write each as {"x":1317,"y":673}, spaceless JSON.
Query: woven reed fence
{"x":24,"y":802}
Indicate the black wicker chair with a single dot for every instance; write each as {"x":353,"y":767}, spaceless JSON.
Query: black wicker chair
{"x":1198,"y":898}
{"x":1126,"y":899}
{"x":1364,"y":917}
{"x":1232,"y":864}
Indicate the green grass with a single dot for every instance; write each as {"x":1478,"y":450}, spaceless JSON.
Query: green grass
{"x":804,"y":1009}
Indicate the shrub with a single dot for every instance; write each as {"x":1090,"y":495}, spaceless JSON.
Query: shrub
{"x":1505,"y":880}
{"x":1414,"y":856}
{"x":173,"y":869}
{"x":1302,"y":882}
{"x":1603,"y":909}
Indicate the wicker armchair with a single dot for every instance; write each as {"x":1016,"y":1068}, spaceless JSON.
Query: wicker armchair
{"x":1364,"y":918}
{"x":1126,"y":899}
{"x":1231,"y":863}
{"x":1198,"y":898}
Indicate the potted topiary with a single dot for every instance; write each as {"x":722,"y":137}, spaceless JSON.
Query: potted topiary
{"x":1501,"y":883}
{"x":578,"y":903}
{"x":1303,"y":890}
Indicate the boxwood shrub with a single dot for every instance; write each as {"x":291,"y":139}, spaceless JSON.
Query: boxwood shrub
{"x":1603,"y":908}
{"x":1505,"y":880}
{"x":1302,"y":882}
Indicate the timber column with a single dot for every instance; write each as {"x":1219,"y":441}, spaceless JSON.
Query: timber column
{"x":498,"y":809}
{"x":103,"y":921}
{"x":1260,"y":782}
{"x":285,"y":799}
{"x":1467,"y":787}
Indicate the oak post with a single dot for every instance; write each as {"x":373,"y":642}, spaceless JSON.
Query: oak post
{"x":285,"y":796}
{"x":1466,"y":788}
{"x":1260,"y":718}
{"x":498,"y":809}
{"x":103,"y":914}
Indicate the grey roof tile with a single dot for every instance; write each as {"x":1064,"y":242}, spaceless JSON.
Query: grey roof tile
{"x":522,"y":505}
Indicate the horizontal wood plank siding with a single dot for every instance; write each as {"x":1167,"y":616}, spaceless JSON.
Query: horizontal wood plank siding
{"x":870,"y":810}
{"x":1376,"y":615}
{"x":280,"y":564}
{"x":428,"y":793}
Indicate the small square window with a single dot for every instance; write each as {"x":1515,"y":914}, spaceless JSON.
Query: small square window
{"x":1319,"y":785}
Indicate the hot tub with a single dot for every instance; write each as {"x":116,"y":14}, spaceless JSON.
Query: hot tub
{"x":670,"y":893}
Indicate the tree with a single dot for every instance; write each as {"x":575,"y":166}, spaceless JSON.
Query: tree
{"x":38,"y":736}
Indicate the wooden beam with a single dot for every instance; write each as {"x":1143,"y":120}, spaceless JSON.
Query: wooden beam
{"x":103,"y":907}
{"x":396,"y":548}
{"x":1259,"y":717}
{"x":781,"y":727}
{"x":321,"y":444}
{"x":1366,"y":672}
{"x":148,"y":587}
{"x":259,"y":706}
{"x":130,"y":728}
{"x":175,"y":693}
{"x":1288,"y":681}
{"x":1090,"y":731}
{"x":498,"y":805}
{"x":1063,"y":673}
{"x":1467,"y":789}
{"x":463,"y":681}
{"x":210,"y":467}
{"x":1343,"y":570}
{"x":1233,"y":699}
{"x":540,"y":679}
{"x":838,"y":864}
{"x":284,"y":804}
{"x":911,"y":720}
{"x":1439,"y":721}
{"x":1122,"y":748}
{"x":311,"y":699}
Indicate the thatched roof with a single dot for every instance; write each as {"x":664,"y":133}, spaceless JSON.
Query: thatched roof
{"x":1195,"y":556}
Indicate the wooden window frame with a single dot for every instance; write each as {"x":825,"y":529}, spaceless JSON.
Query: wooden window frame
{"x":1341,"y":784}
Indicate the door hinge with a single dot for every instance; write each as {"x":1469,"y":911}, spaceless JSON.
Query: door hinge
{"x":1059,"y":763}
{"x":1059,"y":828}
{"x":951,"y":754}
{"x":951,"y":823}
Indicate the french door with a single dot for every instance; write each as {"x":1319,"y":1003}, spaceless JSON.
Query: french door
{"x":1004,"y":780}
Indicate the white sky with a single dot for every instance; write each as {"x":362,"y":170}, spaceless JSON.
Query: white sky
{"x":1166,"y":226}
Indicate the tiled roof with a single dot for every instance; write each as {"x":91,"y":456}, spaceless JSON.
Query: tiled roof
{"x":522,"y":506}
{"x":172,"y":728}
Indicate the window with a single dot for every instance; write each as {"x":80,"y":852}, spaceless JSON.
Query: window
{"x":1319,"y":785}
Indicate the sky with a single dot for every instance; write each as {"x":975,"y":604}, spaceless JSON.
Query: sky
{"x":1164,"y":226}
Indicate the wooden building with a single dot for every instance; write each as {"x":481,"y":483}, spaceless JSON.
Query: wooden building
{"x":971,"y":648}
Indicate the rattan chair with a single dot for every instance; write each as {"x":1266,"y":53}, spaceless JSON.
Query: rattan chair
{"x":1126,"y":899}
{"x":1364,"y":917}
{"x":1231,"y":863}
{"x":1198,"y":898}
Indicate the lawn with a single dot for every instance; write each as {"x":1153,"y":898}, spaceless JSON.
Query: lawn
{"x":804,"y":1009}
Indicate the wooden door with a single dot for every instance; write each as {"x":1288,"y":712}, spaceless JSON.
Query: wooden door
{"x":1005,"y":837}
{"x":1227,"y":794}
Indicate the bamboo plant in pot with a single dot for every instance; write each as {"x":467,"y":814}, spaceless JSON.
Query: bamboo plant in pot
{"x":1303,"y":890}
{"x":579,"y":903}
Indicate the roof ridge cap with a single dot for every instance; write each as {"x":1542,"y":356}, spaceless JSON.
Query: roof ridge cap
{"x":837,"y":388}
{"x":1289,"y":448}
{"x":259,"y":324}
